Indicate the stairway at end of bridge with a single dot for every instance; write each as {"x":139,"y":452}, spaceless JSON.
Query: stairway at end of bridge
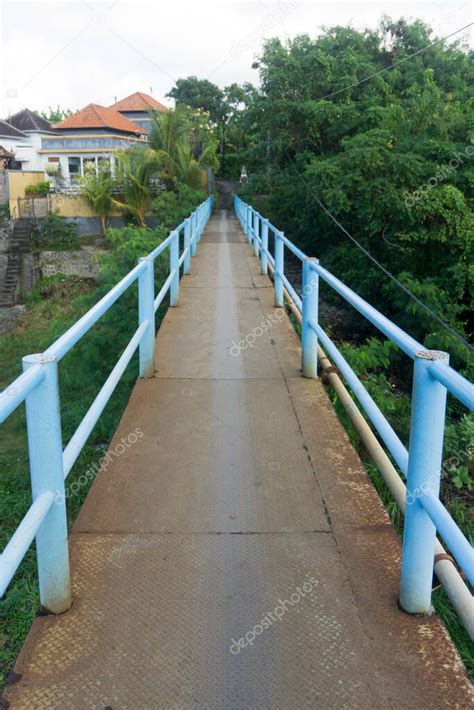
{"x":232,"y":552}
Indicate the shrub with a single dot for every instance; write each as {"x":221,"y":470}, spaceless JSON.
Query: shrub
{"x":39,"y":188}
{"x":54,"y":231}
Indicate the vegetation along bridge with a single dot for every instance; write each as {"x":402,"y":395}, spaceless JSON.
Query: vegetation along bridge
{"x":232,"y":552}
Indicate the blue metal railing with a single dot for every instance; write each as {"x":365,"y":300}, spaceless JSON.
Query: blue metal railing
{"x":433,"y":378}
{"x":38,"y":387}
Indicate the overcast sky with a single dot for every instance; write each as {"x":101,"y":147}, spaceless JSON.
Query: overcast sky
{"x":76,"y":52}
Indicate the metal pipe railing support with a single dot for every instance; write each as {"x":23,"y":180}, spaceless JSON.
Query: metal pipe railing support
{"x":424,"y":472}
{"x":43,"y":421}
{"x":146,"y":313}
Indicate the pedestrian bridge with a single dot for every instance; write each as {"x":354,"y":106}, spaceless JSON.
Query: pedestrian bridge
{"x":232,"y":552}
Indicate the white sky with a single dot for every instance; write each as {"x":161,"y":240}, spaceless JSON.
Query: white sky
{"x":75,"y":52}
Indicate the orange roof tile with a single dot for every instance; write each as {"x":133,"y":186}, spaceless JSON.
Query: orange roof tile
{"x":95,"y":116}
{"x":139,"y":102}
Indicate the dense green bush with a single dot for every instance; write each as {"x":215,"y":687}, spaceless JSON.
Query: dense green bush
{"x":39,"y":188}
{"x":54,"y":232}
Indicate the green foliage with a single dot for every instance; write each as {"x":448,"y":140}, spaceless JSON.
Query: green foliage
{"x":135,"y":169}
{"x":40,"y":188}
{"x":57,"y":114}
{"x":97,"y":189}
{"x":172,"y":207}
{"x":391,"y":158}
{"x":185,"y":144}
{"x":199,"y":93}
{"x":55,"y":233}
{"x":225,"y":108}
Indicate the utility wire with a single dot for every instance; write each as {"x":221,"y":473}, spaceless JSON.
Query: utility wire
{"x":378,"y":264}
{"x":395,"y":64}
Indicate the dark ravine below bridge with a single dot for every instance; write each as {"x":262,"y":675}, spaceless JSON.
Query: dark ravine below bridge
{"x":242,"y":489}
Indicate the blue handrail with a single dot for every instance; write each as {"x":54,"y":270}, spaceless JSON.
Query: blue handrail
{"x":38,"y":388}
{"x":433,"y":378}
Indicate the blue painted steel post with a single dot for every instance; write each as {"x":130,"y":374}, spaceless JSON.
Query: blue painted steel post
{"x":309,"y":312}
{"x":43,"y":420}
{"x":193,"y":234}
{"x":279,"y":269}
{"x":424,"y":470}
{"x":146,"y":312}
{"x":174,"y":266}
{"x":249,"y":223}
{"x":187,"y":245}
{"x":200,"y":222}
{"x":256,"y":232}
{"x":263,"y":253}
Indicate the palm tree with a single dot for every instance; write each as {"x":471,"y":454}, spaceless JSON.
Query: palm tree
{"x":97,"y":189}
{"x":135,"y":170}
{"x":168,"y":130}
{"x":189,"y":169}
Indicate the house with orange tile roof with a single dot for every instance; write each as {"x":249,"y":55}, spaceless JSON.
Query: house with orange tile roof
{"x":137,"y":107}
{"x":89,"y":136}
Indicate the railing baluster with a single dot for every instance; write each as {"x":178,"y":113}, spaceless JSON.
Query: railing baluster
{"x":309,"y":312}
{"x":263,"y":253}
{"x":256,"y":233}
{"x":187,"y":245}
{"x":249,"y":223}
{"x":45,"y":449}
{"x":424,"y":471}
{"x":279,"y":269}
{"x":193,"y":234}
{"x":174,"y":266}
{"x":146,"y":312}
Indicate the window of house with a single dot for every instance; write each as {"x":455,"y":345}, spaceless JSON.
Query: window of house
{"x":74,"y":165}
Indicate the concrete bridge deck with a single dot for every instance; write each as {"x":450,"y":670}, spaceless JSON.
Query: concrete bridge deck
{"x":234,"y":554}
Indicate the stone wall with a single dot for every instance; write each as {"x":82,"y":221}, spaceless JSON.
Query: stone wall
{"x":5,"y":231}
{"x":83,"y":263}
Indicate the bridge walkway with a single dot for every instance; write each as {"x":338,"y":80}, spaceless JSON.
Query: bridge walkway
{"x":232,"y":552}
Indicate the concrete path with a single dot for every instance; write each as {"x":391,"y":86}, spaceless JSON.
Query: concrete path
{"x":233,"y":554}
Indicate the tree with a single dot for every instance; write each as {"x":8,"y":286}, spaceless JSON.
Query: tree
{"x":184,"y":144}
{"x":222,"y":106}
{"x":56,"y":115}
{"x":378,"y":156}
{"x":199,"y":93}
{"x":136,"y":167}
{"x":97,"y":189}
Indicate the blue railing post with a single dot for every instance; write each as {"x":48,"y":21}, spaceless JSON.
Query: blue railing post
{"x":146,"y":312}
{"x":263,"y":253}
{"x":249,"y":223}
{"x":256,"y":232}
{"x":200,"y":222}
{"x":187,"y":245}
{"x":309,"y":312}
{"x":43,"y":420}
{"x":193,"y":234}
{"x":424,"y":471}
{"x":279,"y":269}
{"x":174,"y":267}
